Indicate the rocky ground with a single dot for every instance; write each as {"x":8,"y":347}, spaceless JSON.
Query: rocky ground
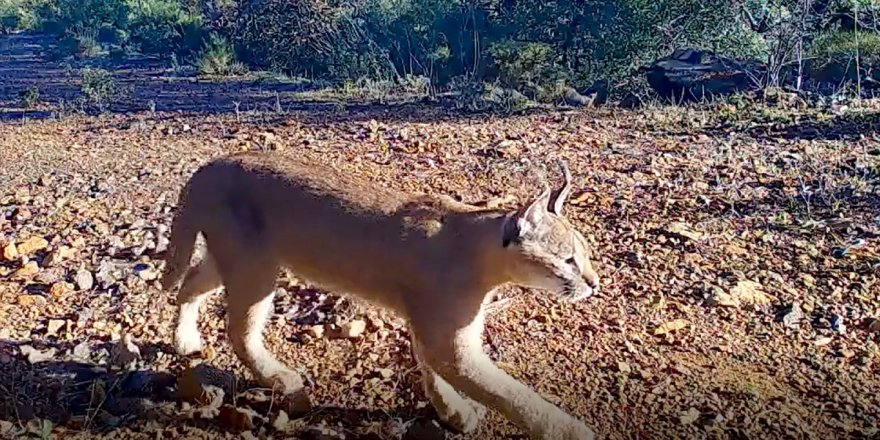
{"x":738,"y":248}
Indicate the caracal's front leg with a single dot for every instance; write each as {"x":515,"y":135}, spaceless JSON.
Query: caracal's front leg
{"x":249,"y":301}
{"x":200,"y":282}
{"x":456,"y":354}
{"x":460,"y":413}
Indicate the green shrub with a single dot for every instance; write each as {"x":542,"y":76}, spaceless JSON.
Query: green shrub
{"x":29,"y":97}
{"x":163,"y":26}
{"x":310,"y":38}
{"x":531,"y":68}
{"x":218,"y":59}
{"x":98,"y":86}
{"x":61,"y":16}
{"x":19,"y":15}
{"x":86,"y":42}
{"x":834,"y":56}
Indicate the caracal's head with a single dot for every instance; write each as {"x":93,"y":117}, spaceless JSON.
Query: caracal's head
{"x":545,"y":251}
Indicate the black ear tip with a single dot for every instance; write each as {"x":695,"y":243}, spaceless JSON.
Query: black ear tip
{"x":510,"y":231}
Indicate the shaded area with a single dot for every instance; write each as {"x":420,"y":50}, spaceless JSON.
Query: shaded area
{"x":150,"y":85}
{"x":83,"y":396}
{"x":145,"y":84}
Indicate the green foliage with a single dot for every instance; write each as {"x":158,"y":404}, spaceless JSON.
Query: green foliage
{"x":835,"y":56}
{"x":656,"y":28}
{"x":438,"y":39}
{"x":98,"y":86}
{"x":63,"y":16}
{"x":157,"y":27}
{"x":218,"y":59}
{"x":847,"y":44}
{"x":532,"y":68}
{"x":381,"y":46}
{"x":163,"y":26}
{"x":19,"y":14}
{"x":311,"y":38}
{"x":29,"y":97}
{"x":380,"y":90}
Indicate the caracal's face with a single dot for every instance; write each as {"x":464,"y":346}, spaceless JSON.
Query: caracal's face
{"x":546,"y":250}
{"x":556,"y":257}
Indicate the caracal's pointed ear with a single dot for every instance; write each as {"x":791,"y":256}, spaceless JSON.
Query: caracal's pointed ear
{"x":558,"y":197}
{"x":526,"y":219}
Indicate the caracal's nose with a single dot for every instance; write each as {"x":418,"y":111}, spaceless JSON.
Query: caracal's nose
{"x":593,"y":280}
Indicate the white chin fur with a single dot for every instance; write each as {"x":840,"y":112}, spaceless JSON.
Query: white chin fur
{"x":582,"y":294}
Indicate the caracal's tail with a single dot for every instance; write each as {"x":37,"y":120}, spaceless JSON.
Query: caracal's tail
{"x":181,"y":244}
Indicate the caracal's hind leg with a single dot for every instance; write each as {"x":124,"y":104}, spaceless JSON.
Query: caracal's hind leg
{"x":249,"y":285}
{"x":457,"y":411}
{"x":200,"y":281}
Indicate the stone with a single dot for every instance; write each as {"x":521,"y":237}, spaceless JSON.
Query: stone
{"x":146,"y":272}
{"x":671,"y":326}
{"x":689,"y":417}
{"x":822,"y":341}
{"x":296,"y":404}
{"x":792,"y":315}
{"x":54,"y":325}
{"x":60,"y":289}
{"x":31,"y":300}
{"x":50,"y":276}
{"x":281,"y":422}
{"x":31,"y":245}
{"x":201,"y":385}
{"x":353,"y":329}
{"x":59,"y":255}
{"x":125,"y":351}
{"x":84,"y":279}
{"x":682,"y":230}
{"x":34,"y":356}
{"x":30,"y":269}
{"x":743,"y":293}
{"x":316,"y":331}
{"x":82,"y":351}
{"x":691,"y":75}
{"x":10,"y":252}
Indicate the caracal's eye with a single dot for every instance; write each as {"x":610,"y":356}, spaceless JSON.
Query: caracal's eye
{"x":571,"y":261}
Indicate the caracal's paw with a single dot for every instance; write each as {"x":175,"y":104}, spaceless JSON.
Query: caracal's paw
{"x":577,"y":430}
{"x":464,"y":418}
{"x":284,"y":381}
{"x":187,"y":343}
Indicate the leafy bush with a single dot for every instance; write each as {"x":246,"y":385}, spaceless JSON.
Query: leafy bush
{"x":98,"y":86}
{"x":531,"y":68}
{"x":217,"y":58}
{"x":305,"y":38}
{"x":29,"y":97}
{"x":18,"y":15}
{"x":835,"y":56}
{"x":162,"y":26}
{"x":62,"y":16}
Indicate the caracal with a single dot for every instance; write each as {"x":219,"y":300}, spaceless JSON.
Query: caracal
{"x":430,"y":259}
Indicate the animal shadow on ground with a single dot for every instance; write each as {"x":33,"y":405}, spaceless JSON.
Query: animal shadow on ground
{"x":82,"y":396}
